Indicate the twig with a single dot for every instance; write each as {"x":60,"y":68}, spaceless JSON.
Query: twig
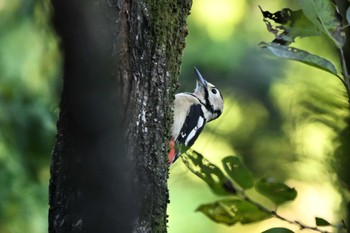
{"x":348,"y":25}
{"x":275,"y":214}
{"x":345,"y":226}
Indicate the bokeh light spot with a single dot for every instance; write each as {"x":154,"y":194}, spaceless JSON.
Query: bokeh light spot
{"x":218,"y":17}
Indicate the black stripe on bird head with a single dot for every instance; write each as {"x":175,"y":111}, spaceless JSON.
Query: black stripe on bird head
{"x":207,"y":102}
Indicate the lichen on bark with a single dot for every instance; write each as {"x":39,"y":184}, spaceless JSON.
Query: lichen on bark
{"x":157,"y":31}
{"x":91,"y":168}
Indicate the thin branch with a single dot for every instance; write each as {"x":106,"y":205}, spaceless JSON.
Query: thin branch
{"x":276,"y":215}
{"x":345,"y":226}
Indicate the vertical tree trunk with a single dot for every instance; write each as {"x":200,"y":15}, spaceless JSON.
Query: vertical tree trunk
{"x":121,"y":62}
{"x":156,"y":36}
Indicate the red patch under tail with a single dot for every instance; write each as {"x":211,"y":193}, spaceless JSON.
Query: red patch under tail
{"x":171,"y":155}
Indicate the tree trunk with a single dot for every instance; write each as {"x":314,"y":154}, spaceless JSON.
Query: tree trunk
{"x":109,"y":165}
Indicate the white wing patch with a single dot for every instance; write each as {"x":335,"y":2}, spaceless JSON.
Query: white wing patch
{"x":193,"y":132}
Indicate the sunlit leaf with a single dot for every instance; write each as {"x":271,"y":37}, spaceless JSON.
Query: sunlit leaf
{"x":290,"y":24}
{"x":232,"y":211}
{"x":277,"y":192}
{"x":321,"y":222}
{"x":208,"y":172}
{"x":236,"y":170}
{"x":324,"y":15}
{"x":301,"y":56}
{"x":278,"y":230}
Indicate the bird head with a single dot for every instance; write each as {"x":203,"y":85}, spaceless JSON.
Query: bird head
{"x":209,"y":96}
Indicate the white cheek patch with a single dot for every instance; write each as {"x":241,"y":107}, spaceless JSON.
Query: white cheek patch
{"x":193,"y":132}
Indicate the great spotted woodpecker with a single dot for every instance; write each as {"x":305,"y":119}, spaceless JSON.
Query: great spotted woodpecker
{"x":191,"y":112}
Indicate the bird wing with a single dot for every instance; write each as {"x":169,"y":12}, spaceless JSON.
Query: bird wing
{"x":192,"y":127}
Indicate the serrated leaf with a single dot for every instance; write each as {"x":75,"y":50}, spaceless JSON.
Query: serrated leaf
{"x":277,"y":192}
{"x":232,"y":211}
{"x":236,"y":170}
{"x":322,"y":222}
{"x":290,"y":24}
{"x":208,"y":172}
{"x":324,"y":14}
{"x":301,"y":56}
{"x":278,"y":230}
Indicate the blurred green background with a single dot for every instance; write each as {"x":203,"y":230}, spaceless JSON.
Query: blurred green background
{"x":282,"y":118}
{"x":29,"y":97}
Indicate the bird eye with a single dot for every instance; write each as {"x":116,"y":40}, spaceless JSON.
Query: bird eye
{"x":214,"y":91}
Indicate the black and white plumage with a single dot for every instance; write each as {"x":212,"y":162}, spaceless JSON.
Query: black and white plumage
{"x":191,"y":112}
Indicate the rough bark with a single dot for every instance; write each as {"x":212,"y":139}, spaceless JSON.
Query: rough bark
{"x":121,"y":62}
{"x":156,"y":40}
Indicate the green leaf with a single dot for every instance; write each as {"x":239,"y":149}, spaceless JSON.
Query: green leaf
{"x":348,"y":15}
{"x":277,"y":192}
{"x":301,"y":56}
{"x":278,"y":230}
{"x":236,"y":170}
{"x":208,"y":172}
{"x":322,"y":222}
{"x":290,"y":24}
{"x":232,"y":211}
{"x":324,"y":14}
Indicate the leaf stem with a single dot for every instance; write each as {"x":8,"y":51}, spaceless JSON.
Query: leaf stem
{"x":345,"y":73}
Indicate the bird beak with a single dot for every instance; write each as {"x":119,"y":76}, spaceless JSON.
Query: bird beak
{"x":200,"y":82}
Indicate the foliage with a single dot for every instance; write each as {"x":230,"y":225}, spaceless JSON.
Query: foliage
{"x":239,"y":207}
{"x":315,"y":18}
{"x":277,"y":192}
{"x":278,"y":230}
{"x":301,"y":56}
{"x":232,"y":211}
{"x":236,"y":170}
{"x":325,"y":17}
